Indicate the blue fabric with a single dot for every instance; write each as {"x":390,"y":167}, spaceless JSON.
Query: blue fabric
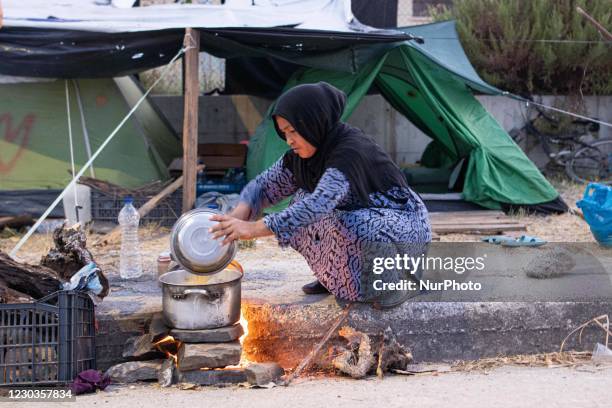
{"x":330,"y":237}
{"x":596,"y":205}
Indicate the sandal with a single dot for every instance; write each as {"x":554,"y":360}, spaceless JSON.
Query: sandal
{"x":497,"y":239}
{"x":525,"y":240}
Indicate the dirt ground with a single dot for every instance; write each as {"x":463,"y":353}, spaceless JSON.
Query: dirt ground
{"x":503,"y":387}
{"x":554,"y":228}
{"x":568,"y":227}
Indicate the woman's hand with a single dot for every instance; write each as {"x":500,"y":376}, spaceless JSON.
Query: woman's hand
{"x":242,"y":211}
{"x":234,"y":229}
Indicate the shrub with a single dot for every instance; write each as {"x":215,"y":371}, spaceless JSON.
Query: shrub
{"x":501,"y":39}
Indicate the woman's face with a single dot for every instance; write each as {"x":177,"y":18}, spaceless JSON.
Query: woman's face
{"x":296,"y":142}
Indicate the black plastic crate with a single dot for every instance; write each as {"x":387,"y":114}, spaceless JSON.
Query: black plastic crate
{"x":49,"y":341}
{"x":106,"y":207}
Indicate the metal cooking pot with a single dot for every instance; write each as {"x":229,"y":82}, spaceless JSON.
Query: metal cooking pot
{"x":195,"y":302}
{"x":192,"y":245}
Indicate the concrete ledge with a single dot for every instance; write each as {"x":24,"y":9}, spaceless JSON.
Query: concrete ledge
{"x":284,"y":323}
{"x":285,"y":333}
{"x":433,"y":331}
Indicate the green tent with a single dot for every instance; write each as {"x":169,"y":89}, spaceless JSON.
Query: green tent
{"x":34,"y":142}
{"x":432,"y":84}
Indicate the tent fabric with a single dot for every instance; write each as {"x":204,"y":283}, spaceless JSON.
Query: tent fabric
{"x":79,"y":39}
{"x":437,"y":99}
{"x":443,"y":47}
{"x":34,"y":145}
{"x":56,"y":53}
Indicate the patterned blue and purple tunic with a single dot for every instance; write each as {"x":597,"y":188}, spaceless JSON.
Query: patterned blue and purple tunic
{"x":322,"y":227}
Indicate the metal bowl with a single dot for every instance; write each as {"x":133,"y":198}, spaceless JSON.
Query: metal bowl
{"x":192,"y":245}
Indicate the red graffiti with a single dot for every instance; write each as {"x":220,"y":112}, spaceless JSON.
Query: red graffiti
{"x":11,"y":135}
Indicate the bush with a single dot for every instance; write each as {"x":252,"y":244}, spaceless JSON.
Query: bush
{"x":500,"y":39}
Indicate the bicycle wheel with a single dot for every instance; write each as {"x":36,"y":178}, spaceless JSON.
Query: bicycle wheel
{"x":592,"y":163}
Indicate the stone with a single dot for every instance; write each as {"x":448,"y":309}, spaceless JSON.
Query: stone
{"x":193,"y":356}
{"x":141,"y":347}
{"x":213,"y":377}
{"x":220,"y":335}
{"x":133,"y":371}
{"x":166,"y":376}
{"x":261,"y":374}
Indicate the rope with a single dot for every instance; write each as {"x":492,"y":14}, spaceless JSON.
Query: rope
{"x":527,"y":41}
{"x":76,"y":201}
{"x":83,"y":124}
{"x":552,"y":108}
{"x":95,"y":155}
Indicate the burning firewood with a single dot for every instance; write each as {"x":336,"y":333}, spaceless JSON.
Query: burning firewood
{"x":358,"y":358}
{"x":391,"y":354}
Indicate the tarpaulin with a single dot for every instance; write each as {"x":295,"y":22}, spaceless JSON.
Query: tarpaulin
{"x":50,"y":53}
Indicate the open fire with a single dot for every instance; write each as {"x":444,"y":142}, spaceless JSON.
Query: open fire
{"x":201,"y":357}
{"x":245,"y":327}
{"x":171,"y":346}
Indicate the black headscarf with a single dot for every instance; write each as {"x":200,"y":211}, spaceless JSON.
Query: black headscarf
{"x":314,"y":111}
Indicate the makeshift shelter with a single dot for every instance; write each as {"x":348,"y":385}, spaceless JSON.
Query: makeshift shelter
{"x":35,"y":162}
{"x":35,"y":145}
{"x":432,"y":84}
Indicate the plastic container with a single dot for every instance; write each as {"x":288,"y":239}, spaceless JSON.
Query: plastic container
{"x":596,"y":205}
{"x":49,"y":341}
{"x":163,"y":264}
{"x":83,"y":201}
{"x":105,"y":207}
{"x":130,"y":263}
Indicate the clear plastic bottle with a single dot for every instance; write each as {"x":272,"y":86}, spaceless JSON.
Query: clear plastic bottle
{"x":130,"y":264}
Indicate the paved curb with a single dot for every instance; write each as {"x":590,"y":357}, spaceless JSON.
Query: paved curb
{"x":434,"y":331}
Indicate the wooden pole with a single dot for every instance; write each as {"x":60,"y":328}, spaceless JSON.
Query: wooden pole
{"x":1,"y":14}
{"x":599,"y":27}
{"x":190,"y":117}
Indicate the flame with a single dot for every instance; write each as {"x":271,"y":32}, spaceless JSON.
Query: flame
{"x":244,"y":361}
{"x":166,"y":339}
{"x":245,"y":327}
{"x":166,"y":344}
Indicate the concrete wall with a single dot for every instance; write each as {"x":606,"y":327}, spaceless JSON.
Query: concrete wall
{"x":232,"y":119}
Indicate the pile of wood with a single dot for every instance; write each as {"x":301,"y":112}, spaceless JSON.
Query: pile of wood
{"x":360,"y":357}
{"x":23,"y":283}
{"x":20,"y":282}
{"x":473,"y":222}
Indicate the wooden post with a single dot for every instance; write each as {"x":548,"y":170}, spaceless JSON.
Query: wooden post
{"x":190,"y":117}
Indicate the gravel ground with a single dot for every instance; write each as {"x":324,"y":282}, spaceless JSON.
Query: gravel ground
{"x":554,"y":228}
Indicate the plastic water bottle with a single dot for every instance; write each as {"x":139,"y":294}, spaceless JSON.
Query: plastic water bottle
{"x":130,"y":264}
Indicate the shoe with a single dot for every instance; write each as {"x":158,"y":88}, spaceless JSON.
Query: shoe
{"x":314,"y":288}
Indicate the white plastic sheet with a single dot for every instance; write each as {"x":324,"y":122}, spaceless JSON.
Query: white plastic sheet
{"x":86,"y":15}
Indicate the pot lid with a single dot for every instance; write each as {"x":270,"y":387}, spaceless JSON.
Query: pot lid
{"x":193,"y":246}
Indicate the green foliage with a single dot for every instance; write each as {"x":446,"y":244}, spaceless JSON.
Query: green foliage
{"x":501,"y":37}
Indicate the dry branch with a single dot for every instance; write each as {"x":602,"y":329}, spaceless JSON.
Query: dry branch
{"x":70,"y":254}
{"x":32,"y":280}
